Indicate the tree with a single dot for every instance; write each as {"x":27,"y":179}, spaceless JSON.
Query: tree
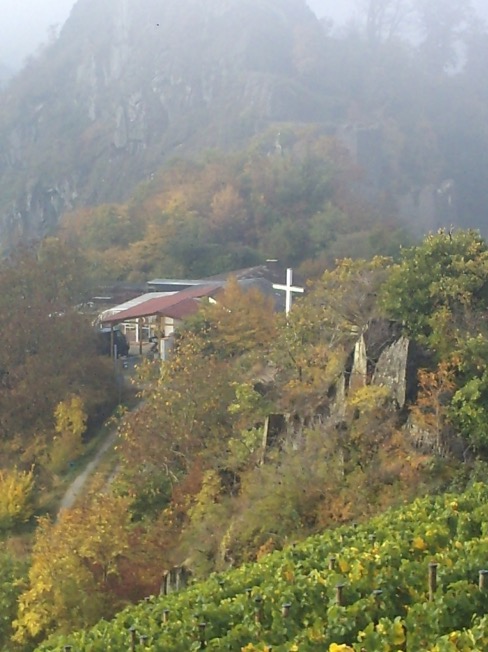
{"x":443,"y":24}
{"x":44,"y":336}
{"x":16,"y":497}
{"x":199,"y":405}
{"x":70,"y":426}
{"x":385,"y":18}
{"x":79,"y":567}
{"x":431,"y":411}
{"x":439,"y":287}
{"x":228,"y":215}
{"x":440,"y":292}
{"x":469,"y":412}
{"x":12,"y":577}
{"x":241,"y":321}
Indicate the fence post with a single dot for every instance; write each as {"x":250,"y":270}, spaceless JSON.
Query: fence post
{"x":432,"y":580}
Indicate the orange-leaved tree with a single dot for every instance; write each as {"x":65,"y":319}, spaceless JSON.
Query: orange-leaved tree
{"x":80,"y":565}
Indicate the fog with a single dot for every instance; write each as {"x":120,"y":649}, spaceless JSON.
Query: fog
{"x":25,"y":23}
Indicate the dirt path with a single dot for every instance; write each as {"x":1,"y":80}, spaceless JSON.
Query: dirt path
{"x":76,"y":487}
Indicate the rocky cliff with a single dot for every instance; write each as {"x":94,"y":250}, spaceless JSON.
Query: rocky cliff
{"x":128,"y":85}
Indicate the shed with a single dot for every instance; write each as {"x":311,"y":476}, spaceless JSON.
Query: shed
{"x":165,"y":312}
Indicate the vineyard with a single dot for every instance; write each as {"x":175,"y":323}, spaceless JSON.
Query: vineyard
{"x":411,"y":580}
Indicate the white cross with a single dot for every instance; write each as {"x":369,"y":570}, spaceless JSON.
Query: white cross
{"x":288,"y":288}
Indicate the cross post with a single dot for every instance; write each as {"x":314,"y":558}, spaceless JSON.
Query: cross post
{"x":289,"y":288}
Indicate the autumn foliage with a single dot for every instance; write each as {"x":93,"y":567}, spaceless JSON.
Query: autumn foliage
{"x":244,"y":441}
{"x":86,"y":564}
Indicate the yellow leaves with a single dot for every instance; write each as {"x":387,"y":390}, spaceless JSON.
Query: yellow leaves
{"x":240,"y":321}
{"x":71,"y":559}
{"x":16,"y":492}
{"x":211,"y":487}
{"x":369,"y":397}
{"x":398,"y":633}
{"x":288,"y":574}
{"x":344,"y":566}
{"x":28,"y":627}
{"x":436,"y":537}
{"x":453,"y":637}
{"x":342,"y":647}
{"x":419,"y":544}
{"x":70,"y":425}
{"x":316,"y":577}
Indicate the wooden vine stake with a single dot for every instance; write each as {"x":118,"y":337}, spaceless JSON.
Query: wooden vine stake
{"x":432,"y":580}
{"x":285,"y":609}
{"x":165,"y":615}
{"x":201,"y":630}
{"x":340,"y":595}
{"x":377,"y":593}
{"x":258,"y":611}
{"x":332,"y":563}
{"x":132,"y":631}
{"x":483,"y":580}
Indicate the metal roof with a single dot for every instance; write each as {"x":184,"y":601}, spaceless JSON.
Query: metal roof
{"x":132,"y":303}
{"x":176,"y":281}
{"x":182,"y":309}
{"x":177,"y":305}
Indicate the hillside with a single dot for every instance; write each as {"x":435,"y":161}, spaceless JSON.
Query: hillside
{"x":290,"y":198}
{"x":129,"y":85}
{"x":412,"y":579}
{"x":262,"y":429}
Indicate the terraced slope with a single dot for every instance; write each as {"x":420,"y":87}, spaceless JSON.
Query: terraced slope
{"x":409,"y":580}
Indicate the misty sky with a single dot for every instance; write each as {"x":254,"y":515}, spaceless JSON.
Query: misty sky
{"x":24,"y":23}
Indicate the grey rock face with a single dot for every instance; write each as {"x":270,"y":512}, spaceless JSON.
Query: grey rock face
{"x":128,"y":85}
{"x":384,"y":357}
{"x":392,"y":370}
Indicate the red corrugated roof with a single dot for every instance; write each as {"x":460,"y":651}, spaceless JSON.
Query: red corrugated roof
{"x":182,"y":309}
{"x":177,"y":305}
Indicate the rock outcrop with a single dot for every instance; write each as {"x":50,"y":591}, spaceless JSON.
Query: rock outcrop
{"x":129,"y":85}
